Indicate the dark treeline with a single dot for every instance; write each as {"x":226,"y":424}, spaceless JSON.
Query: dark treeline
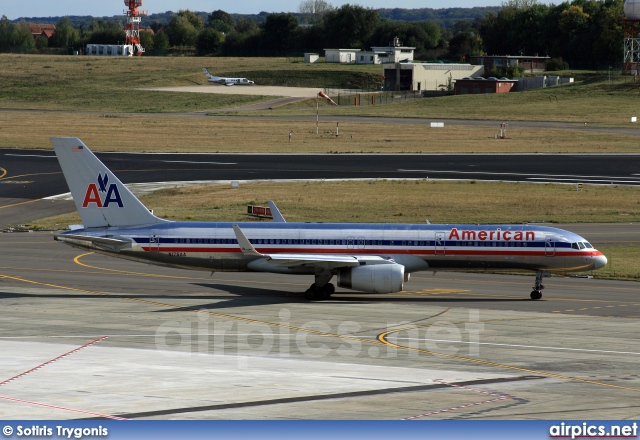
{"x":445,"y":17}
{"x":579,"y":34}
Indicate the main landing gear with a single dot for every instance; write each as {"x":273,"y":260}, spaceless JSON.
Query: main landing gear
{"x":322,"y":288}
{"x":536,"y":293}
{"x":318,"y":293}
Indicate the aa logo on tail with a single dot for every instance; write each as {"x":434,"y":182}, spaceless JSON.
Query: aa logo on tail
{"x":95,"y":194}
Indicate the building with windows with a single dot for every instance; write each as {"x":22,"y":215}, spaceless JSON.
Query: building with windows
{"x":343,"y":56}
{"x":394,"y":53}
{"x":111,"y":50}
{"x":529,"y":64}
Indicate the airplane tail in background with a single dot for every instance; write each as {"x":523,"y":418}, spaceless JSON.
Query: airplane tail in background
{"x":100,"y":197}
{"x":206,"y":72}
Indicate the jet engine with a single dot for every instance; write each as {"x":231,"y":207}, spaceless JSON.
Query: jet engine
{"x":374,"y":278}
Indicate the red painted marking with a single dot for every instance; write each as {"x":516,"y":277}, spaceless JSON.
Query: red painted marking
{"x":95,"y":341}
{"x":466,"y":405}
{"x":46,"y":405}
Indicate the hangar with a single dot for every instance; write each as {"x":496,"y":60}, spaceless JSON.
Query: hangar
{"x":426,"y":76}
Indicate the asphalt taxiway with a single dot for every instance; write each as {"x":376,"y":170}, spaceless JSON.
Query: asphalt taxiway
{"x":84,"y":335}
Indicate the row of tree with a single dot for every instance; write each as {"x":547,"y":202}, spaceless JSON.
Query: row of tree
{"x":282,"y":35}
{"x":583,"y":33}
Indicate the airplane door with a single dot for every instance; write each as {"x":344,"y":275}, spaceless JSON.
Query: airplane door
{"x":549,"y":247}
{"x":351,"y":243}
{"x":154,"y":243}
{"x":439,"y":248}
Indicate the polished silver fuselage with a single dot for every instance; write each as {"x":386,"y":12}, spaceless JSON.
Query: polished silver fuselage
{"x":213,"y":246}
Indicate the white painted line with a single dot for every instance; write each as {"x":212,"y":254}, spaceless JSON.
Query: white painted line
{"x":361,"y":337}
{"x":189,"y":161}
{"x":588,"y":350}
{"x":582,"y":180}
{"x":26,"y":155}
{"x":555,"y":176}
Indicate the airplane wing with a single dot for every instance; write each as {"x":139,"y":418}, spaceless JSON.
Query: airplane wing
{"x":298,"y":260}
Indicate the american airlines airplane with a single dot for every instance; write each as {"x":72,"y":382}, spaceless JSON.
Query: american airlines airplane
{"x":227,"y":81}
{"x":367,"y":257}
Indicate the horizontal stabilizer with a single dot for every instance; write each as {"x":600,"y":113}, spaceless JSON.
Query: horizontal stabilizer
{"x":111,"y":241}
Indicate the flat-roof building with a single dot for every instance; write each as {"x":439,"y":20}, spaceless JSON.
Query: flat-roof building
{"x":426,"y":76}
{"x":529,"y":64}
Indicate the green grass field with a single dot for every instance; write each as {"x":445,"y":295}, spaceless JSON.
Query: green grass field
{"x":92,"y":87}
{"x":596,"y":102}
{"x":83,"y":83}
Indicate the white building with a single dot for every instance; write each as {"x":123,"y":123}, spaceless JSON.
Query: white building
{"x":368,"y":57}
{"x":311,"y":57}
{"x":343,"y":56}
{"x":111,"y":50}
{"x":394,"y":53}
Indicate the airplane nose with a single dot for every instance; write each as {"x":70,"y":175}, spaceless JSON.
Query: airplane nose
{"x":599,"y":261}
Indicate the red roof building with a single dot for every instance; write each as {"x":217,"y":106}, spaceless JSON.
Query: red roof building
{"x":40,"y":29}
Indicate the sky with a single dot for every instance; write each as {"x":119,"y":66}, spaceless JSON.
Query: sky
{"x":14,"y":9}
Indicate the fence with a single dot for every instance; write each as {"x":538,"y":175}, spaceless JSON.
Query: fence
{"x":370,"y":97}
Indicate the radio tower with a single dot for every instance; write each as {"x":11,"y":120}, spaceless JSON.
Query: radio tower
{"x":132,"y":28}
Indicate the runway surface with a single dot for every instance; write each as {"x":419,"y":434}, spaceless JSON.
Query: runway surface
{"x":29,"y":175}
{"x":90,"y":336}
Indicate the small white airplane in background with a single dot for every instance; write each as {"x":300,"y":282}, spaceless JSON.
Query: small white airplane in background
{"x":367,"y":257}
{"x":227,"y":81}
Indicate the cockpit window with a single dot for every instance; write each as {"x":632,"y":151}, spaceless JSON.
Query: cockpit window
{"x":587,"y":245}
{"x":581,"y":244}
{"x":574,"y":246}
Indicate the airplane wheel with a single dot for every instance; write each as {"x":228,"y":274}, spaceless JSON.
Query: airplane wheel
{"x":329,"y":289}
{"x":536,"y":294}
{"x":314,"y":293}
{"x":311,"y":294}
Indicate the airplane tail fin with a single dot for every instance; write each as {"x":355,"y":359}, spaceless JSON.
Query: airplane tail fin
{"x":100,"y":197}
{"x":206,"y":72}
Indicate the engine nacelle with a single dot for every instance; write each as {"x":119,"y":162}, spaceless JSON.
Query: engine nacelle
{"x":374,"y":278}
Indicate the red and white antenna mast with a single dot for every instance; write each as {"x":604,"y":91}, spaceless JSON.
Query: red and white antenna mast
{"x":132,"y":28}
